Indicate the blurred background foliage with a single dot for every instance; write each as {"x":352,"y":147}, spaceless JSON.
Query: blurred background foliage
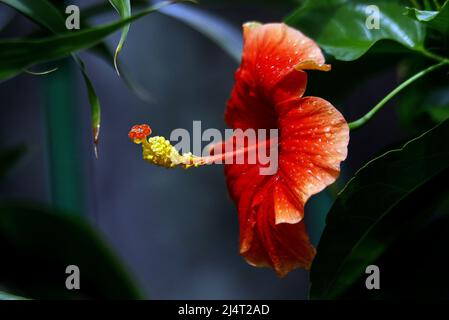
{"x":175,"y":234}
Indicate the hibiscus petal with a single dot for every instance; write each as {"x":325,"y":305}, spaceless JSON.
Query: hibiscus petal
{"x":314,"y":138}
{"x":283,"y":246}
{"x":244,"y":182}
{"x":248,"y":107}
{"x":288,"y":207}
{"x":274,"y":50}
{"x":263,"y":242}
{"x":274,"y":56}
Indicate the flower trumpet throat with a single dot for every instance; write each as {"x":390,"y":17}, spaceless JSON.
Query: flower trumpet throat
{"x":159,"y":151}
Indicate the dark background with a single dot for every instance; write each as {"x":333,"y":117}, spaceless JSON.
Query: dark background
{"x":176,"y":230}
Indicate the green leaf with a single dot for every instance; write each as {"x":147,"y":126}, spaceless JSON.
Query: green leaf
{"x":123,"y":8}
{"x":339,"y":26}
{"x":41,"y":11}
{"x":390,"y":195}
{"x":46,"y":14}
{"x":9,"y":157}
{"x":17,"y":55}
{"x":217,"y":29}
{"x":38,"y":243}
{"x":94,"y":104}
{"x":438,"y":20}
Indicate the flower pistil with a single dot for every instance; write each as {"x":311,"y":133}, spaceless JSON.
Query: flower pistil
{"x":159,"y":151}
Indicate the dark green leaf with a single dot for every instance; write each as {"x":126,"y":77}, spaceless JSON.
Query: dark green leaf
{"x":41,"y":11}
{"x":47,"y":15}
{"x":9,"y":157}
{"x":17,"y":55}
{"x":374,"y":208}
{"x":220,"y":31}
{"x":94,"y":103}
{"x":438,"y":20}
{"x":123,"y":8}
{"x":37,"y":245}
{"x":339,"y":26}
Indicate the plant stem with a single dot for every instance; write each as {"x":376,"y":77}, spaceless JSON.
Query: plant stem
{"x":367,"y":117}
{"x":64,"y":148}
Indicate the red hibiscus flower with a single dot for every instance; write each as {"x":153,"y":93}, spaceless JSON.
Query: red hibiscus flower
{"x":313,"y":139}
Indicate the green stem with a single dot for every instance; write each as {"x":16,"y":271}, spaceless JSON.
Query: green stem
{"x":367,"y":117}
{"x":64,"y":147}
